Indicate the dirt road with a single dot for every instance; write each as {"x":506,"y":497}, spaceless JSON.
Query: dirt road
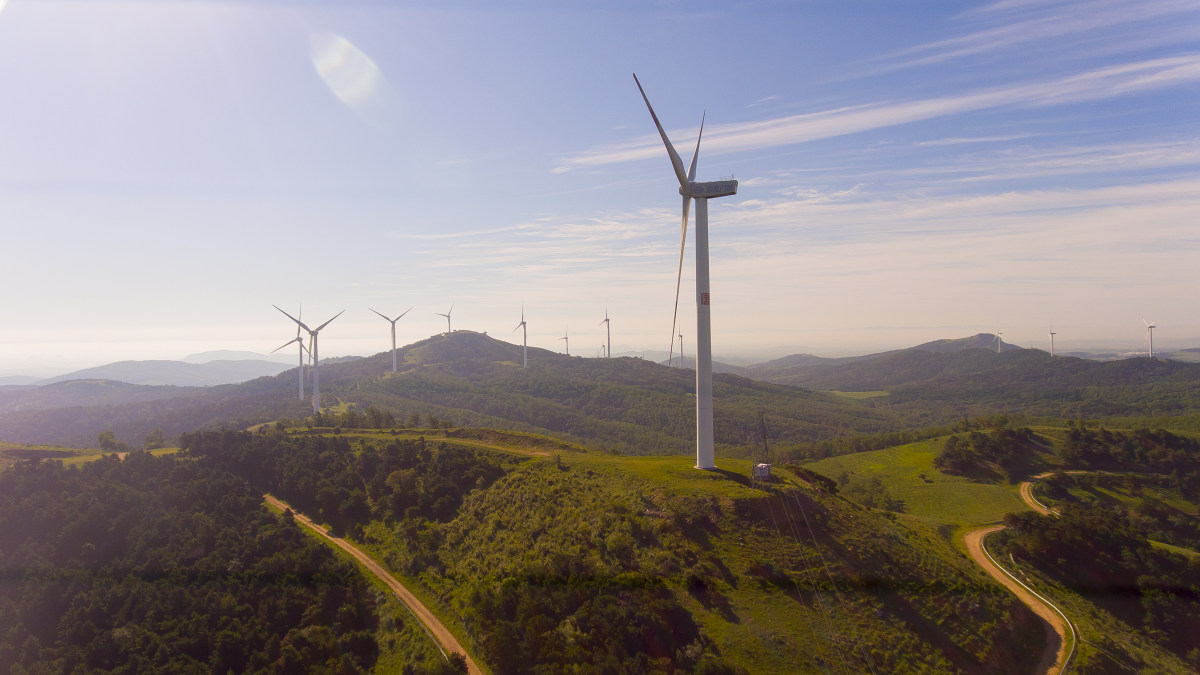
{"x":1054,"y":657}
{"x":434,"y":627}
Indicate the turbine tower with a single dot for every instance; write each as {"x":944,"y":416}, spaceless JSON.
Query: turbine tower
{"x":447,"y":315}
{"x":1052,"y":334}
{"x":312,"y":352}
{"x":998,"y":340}
{"x":682,"y":361}
{"x":566,"y":343}
{"x":701,"y":192}
{"x":524,"y":338}
{"x":299,"y":340}
{"x":393,"y":322}
{"x":608,"y":329}
{"x":1150,"y":326}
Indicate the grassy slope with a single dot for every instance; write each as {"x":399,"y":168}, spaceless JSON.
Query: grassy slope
{"x":956,"y":504}
{"x":940,"y":499}
{"x":896,"y":595}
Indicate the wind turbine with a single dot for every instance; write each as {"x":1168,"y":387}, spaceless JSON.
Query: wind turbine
{"x":524,"y":338}
{"x":701,"y":192}
{"x":608,"y":329}
{"x":1052,"y":334}
{"x":682,"y":361}
{"x":299,"y":340}
{"x":447,"y":315}
{"x":393,"y":322}
{"x":312,"y":352}
{"x":998,"y":340}
{"x":566,"y":342}
{"x":1150,"y":326}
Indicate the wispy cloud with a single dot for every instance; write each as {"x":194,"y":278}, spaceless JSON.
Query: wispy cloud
{"x":1034,"y":21}
{"x":1102,"y":83}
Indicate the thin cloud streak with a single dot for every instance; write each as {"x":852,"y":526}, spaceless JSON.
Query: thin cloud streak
{"x":1103,"y":83}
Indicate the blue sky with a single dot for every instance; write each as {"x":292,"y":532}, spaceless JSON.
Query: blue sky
{"x":908,"y":172}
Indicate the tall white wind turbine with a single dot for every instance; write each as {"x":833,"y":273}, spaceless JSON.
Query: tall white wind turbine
{"x":312,"y":352}
{"x":701,"y":192}
{"x":998,"y":340}
{"x":566,"y":342}
{"x":299,"y":340}
{"x":682,"y":361}
{"x":447,"y":315}
{"x":524,"y":338}
{"x":1150,"y":326}
{"x":608,"y":329}
{"x":1052,"y":334}
{"x":393,"y":322}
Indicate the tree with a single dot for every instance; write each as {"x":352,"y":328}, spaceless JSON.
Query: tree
{"x":155,"y":439}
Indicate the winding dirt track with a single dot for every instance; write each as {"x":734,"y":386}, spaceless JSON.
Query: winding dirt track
{"x":433,"y":627}
{"x":1055,"y":655}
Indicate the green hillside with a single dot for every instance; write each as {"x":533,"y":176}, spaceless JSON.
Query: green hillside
{"x":582,"y":560}
{"x":623,"y":404}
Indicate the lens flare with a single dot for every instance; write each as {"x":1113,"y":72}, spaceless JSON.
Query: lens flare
{"x":352,"y":77}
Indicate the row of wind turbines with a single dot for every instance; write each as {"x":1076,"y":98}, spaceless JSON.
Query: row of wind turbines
{"x":311,"y":350}
{"x":1150,"y":326}
{"x":690,"y":190}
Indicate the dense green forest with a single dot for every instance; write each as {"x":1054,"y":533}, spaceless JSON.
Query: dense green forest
{"x":161,"y":565}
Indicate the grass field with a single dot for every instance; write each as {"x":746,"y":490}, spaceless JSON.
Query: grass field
{"x":941,"y":499}
{"x":859,"y":394}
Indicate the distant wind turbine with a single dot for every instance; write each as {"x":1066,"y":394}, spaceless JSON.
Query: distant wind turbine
{"x":524,"y":338}
{"x":1052,"y":334}
{"x":447,"y":315}
{"x":1150,"y":326}
{"x":312,"y":351}
{"x":701,"y":192}
{"x":682,"y":361}
{"x":299,"y":340}
{"x":566,"y":342}
{"x":998,"y":340}
{"x":608,"y":328}
{"x":393,"y":322}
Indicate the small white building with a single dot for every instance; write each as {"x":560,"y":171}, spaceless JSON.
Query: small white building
{"x":762,"y":472}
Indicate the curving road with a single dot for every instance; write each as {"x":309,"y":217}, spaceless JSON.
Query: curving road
{"x":1056,"y":656}
{"x":432,"y":625}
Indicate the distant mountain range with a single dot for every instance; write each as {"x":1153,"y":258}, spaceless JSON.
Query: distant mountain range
{"x":630,"y":405}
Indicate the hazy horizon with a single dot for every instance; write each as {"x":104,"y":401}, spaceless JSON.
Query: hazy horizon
{"x":907,"y":173}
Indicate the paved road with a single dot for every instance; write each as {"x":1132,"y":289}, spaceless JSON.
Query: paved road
{"x":434,"y":627}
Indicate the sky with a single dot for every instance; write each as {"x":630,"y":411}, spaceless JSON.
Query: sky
{"x":171,"y":169}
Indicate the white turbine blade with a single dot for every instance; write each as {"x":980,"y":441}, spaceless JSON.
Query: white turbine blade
{"x":451,"y":310}
{"x":676,"y":162}
{"x":384,"y":317}
{"x":298,"y":321}
{"x":687,"y":203}
{"x":318,"y":330}
{"x":296,"y":339}
{"x":696,"y":154}
{"x":405,"y":312}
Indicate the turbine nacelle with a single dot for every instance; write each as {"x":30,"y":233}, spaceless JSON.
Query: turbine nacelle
{"x":712,"y":189}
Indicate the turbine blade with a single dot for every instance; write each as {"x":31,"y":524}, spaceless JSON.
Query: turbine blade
{"x":298,"y":321}
{"x":687,"y":203}
{"x":285,"y":344}
{"x":696,"y":154}
{"x":405,"y":312}
{"x":676,"y":162}
{"x":384,"y":317}
{"x":318,"y":330}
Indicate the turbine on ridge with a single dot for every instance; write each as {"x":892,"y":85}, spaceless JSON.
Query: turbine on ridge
{"x":312,"y":352}
{"x":299,"y":340}
{"x":393,"y":322}
{"x":701,"y":192}
{"x":1150,"y":326}
{"x":447,"y":315}
{"x":566,"y":342}
{"x":608,"y":327}
{"x":524,"y":338}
